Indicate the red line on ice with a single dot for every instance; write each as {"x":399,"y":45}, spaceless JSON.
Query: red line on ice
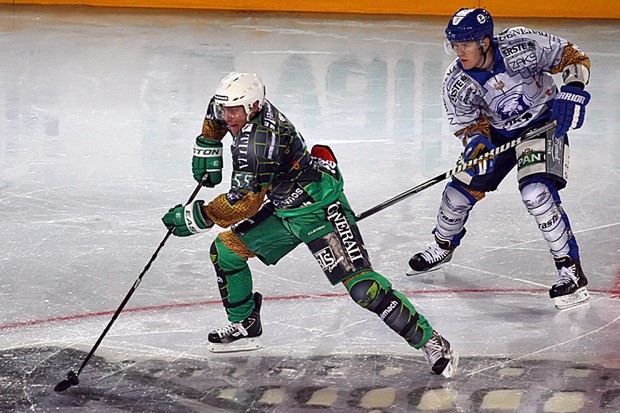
{"x":615,"y":293}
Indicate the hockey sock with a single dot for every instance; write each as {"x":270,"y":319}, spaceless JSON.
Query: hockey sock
{"x":234,"y":281}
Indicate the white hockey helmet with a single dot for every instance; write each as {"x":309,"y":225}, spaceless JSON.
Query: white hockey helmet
{"x":240,"y":89}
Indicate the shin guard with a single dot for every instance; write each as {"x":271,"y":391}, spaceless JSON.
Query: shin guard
{"x":374,"y":292}
{"x":456,"y":203}
{"x":542,"y":201}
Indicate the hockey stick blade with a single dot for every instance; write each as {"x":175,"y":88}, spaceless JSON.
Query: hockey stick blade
{"x":71,"y":380}
{"x":460,"y":168}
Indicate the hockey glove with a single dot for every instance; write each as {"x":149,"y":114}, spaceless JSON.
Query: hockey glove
{"x":478,"y":145}
{"x":187,"y":220}
{"x":569,"y":109}
{"x":207,"y":160}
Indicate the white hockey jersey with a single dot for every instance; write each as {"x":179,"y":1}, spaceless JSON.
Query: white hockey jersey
{"x":516,"y":92}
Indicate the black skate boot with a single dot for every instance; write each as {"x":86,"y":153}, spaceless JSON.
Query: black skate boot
{"x":440,"y":356}
{"x":569,"y":290}
{"x":432,"y":258}
{"x":241,"y":336}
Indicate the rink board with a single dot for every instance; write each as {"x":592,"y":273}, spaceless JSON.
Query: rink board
{"x":526,"y":8}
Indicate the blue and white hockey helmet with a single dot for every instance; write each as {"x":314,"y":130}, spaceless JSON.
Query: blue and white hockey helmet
{"x":469,"y":25}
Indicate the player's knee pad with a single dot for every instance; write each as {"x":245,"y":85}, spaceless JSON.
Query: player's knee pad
{"x":374,"y":292}
{"x":542,"y":201}
{"x":368,"y":289}
{"x":225,"y":260}
{"x":456,"y":203}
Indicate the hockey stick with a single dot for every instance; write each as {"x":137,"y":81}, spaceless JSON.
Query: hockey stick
{"x":460,"y":168}
{"x":72,"y":377}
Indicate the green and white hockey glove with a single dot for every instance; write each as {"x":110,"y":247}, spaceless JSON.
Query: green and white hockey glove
{"x":207,"y":159}
{"x":187,"y":220}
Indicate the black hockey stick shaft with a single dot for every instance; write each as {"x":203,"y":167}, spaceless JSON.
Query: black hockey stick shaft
{"x":135,"y":285}
{"x":445,"y":175}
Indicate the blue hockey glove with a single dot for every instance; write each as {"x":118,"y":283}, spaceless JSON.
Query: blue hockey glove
{"x":478,"y":145}
{"x":187,"y":220}
{"x":569,"y":109}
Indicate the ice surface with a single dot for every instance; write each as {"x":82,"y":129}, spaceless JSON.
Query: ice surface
{"x":99,"y":113}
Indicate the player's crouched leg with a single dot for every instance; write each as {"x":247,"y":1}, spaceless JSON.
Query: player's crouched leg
{"x":374,"y":292}
{"x":229,"y":258}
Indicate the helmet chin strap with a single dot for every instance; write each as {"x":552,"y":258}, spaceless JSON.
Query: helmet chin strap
{"x":253,"y":111}
{"x":484,"y":55}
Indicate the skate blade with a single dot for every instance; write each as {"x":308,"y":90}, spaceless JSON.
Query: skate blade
{"x":411,"y":272}
{"x":244,"y":344}
{"x":581,"y":296}
{"x":450,"y":369}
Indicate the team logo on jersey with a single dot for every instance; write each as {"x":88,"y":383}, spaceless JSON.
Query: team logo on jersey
{"x":511,"y":105}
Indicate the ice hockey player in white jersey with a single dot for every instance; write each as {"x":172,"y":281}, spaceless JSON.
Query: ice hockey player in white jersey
{"x":498,"y":88}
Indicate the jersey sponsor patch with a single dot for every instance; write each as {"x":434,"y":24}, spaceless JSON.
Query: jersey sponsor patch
{"x":543,"y":155}
{"x":530,"y":157}
{"x":326,"y":259}
{"x":336,"y":216}
{"x":340,"y":252}
{"x":291,"y":199}
{"x":519,"y":55}
{"x":462,"y":89}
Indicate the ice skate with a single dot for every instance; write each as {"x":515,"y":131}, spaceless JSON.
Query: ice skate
{"x":440,"y":356}
{"x":240,"y":336}
{"x":432,"y":258}
{"x":569,"y":291}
